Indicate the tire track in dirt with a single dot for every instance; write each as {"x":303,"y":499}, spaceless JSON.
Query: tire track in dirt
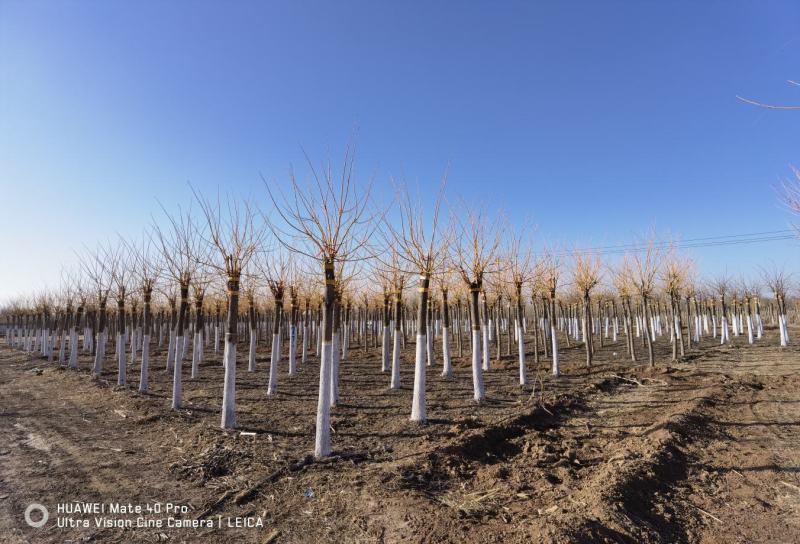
{"x":72,"y":457}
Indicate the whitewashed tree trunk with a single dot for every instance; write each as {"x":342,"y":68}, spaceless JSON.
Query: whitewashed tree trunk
{"x":292,"y":349}
{"x":385,"y":349}
{"x":61,"y":348}
{"x":145,"y":370}
{"x":523,"y":370}
{"x":486,"y":363}
{"x":197,"y":353}
{"x":322,"y":442}
{"x":134,"y":344}
{"x":229,"y":389}
{"x":418,"y":406}
{"x":122,"y":364}
{"x":395,"y":381}
{"x":171,"y":350}
{"x":335,"y":358}
{"x":100,"y":353}
{"x":73,"y":348}
{"x":304,"y":353}
{"x":447,"y":368}
{"x":272,"y":386}
{"x":177,"y":377}
{"x":50,"y":341}
{"x":429,"y":345}
{"x":784,"y":330}
{"x":479,"y":393}
{"x":556,"y":370}
{"x":251,"y":360}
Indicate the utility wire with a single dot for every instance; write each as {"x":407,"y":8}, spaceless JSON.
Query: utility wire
{"x":707,"y":241}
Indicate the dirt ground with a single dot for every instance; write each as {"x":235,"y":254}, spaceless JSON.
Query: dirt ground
{"x":705,"y":450}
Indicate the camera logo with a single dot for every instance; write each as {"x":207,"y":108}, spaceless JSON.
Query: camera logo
{"x":34,"y":507}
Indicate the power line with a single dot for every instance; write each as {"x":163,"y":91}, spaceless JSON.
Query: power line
{"x":690,"y":243}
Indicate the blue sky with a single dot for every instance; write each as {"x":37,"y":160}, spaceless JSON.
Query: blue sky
{"x":594,"y":119}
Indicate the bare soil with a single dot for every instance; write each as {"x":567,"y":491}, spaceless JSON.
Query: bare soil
{"x":703,"y":450}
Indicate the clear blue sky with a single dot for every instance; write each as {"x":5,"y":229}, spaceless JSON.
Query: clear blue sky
{"x":596,"y":119}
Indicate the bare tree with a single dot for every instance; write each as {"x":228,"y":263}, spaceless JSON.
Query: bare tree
{"x":644,"y":268}
{"x":384,"y":280}
{"x":446,"y":282}
{"x":422,"y":250}
{"x":96,"y":267}
{"x":277,"y":268}
{"x":146,"y":270}
{"x":120,"y":266}
{"x":181,"y":246}
{"x":200,"y":283}
{"x":476,"y":251}
{"x":551,"y":273}
{"x":721,"y":286}
{"x":398,"y":285}
{"x":233,"y":232}
{"x":623,"y":282}
{"x":675,"y":272}
{"x":777,"y":279}
{"x":328,"y":221}
{"x":586,"y":275}
{"x":521,"y":271}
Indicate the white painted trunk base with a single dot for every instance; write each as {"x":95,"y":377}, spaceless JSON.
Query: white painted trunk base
{"x":122,"y":364}
{"x":272,"y":385}
{"x":395,"y":381}
{"x":385,"y":350}
{"x":229,"y":389}
{"x":335,"y":358}
{"x":292,"y":350}
{"x":556,"y":370}
{"x":251,"y":358}
{"x":486,"y":362}
{"x":322,"y":439}
{"x":523,"y":370}
{"x":447,"y":368}
{"x":197,"y":354}
{"x":145,"y":370}
{"x":418,"y":407}
{"x":477,"y":370}
{"x":177,"y":378}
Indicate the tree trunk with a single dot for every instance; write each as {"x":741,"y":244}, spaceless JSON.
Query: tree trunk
{"x":479,"y":393}
{"x":145,"y":370}
{"x":275,"y":355}
{"x":418,"y":407}
{"x":447,"y":367}
{"x":177,"y":376}
{"x":520,"y":333}
{"x":395,"y":379}
{"x":554,"y":348}
{"x":229,"y":355}
{"x":322,"y":441}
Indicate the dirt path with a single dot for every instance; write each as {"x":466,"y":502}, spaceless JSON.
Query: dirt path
{"x":703,"y":451}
